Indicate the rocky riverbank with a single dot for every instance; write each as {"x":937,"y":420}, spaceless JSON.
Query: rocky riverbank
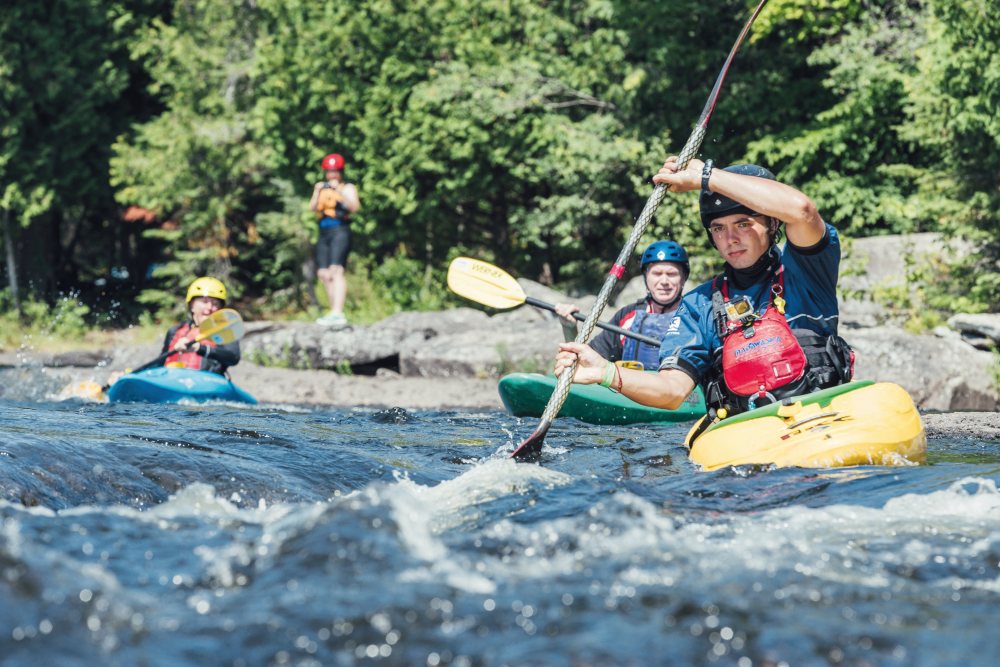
{"x":451,"y":359}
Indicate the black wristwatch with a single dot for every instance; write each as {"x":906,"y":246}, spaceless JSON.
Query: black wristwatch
{"x":706,"y":173}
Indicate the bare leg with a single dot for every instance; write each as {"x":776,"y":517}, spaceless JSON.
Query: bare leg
{"x":326,"y":278}
{"x":336,"y":289}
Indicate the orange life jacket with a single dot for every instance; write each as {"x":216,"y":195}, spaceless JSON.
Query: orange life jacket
{"x":186,"y":359}
{"x":330,"y":204}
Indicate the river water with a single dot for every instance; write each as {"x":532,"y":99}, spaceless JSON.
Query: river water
{"x":225,"y":535}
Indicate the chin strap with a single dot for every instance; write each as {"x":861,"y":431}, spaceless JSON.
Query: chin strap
{"x":664,"y":306}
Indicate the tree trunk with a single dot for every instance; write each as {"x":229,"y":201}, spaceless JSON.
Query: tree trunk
{"x":8,"y":243}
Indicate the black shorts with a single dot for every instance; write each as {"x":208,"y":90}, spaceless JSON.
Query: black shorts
{"x":333,"y":245}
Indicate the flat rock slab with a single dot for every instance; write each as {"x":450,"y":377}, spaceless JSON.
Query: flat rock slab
{"x":311,"y":345}
{"x":980,"y":425}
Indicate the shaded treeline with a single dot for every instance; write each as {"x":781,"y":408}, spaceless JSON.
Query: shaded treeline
{"x":147,"y":141}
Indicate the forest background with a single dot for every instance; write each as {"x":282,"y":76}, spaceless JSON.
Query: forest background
{"x":146,"y":142}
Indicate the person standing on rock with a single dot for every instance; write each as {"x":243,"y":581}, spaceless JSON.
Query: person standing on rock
{"x":665,"y":268}
{"x":334,"y":201}
{"x":763,"y":329}
{"x":204,"y":296}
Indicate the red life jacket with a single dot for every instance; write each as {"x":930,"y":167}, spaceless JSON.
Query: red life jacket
{"x":760,"y":353}
{"x":186,"y":359}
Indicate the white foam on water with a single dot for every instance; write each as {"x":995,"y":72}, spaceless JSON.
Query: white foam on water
{"x":423,"y":512}
{"x":842,"y":544}
{"x":620,"y":529}
{"x":857,"y":546}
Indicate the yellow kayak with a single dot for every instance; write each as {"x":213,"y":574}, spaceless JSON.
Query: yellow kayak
{"x":860,"y":423}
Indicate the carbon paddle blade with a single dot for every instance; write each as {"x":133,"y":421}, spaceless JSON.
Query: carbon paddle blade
{"x":531,"y":449}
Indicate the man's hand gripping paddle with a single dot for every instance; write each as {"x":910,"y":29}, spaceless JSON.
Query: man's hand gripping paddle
{"x":491,"y":286}
{"x":221,"y":327}
{"x":532,"y":447}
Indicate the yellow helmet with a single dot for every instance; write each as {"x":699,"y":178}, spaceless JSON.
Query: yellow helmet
{"x":207,"y":287}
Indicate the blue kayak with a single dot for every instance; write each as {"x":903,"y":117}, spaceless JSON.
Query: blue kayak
{"x":173,"y":385}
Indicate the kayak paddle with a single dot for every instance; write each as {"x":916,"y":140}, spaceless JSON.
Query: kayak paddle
{"x":532,"y":446}
{"x":221,"y":327}
{"x":491,"y":286}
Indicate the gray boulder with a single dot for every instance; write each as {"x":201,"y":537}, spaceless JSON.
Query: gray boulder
{"x":633,"y":290}
{"x":133,"y":356}
{"x":78,"y":358}
{"x":981,"y":331}
{"x":310,"y":345}
{"x":941,"y":373}
{"x":484,"y":353}
{"x":882,"y":261}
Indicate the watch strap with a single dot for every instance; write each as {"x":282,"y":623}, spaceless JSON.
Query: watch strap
{"x":706,"y":173}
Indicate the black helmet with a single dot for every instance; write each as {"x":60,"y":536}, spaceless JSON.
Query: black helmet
{"x":714,"y":205}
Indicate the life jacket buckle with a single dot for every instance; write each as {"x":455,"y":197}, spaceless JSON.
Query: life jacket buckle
{"x":752,"y":401}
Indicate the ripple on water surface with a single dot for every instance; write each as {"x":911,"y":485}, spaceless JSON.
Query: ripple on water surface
{"x":168,"y":535}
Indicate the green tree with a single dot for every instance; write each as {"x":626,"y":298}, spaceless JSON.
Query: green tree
{"x":64,"y":71}
{"x":850,"y":157}
{"x":952,"y":114}
{"x":197,"y":164}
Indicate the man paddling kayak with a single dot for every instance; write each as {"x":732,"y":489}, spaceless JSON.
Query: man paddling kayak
{"x":665,"y":268}
{"x":204,"y":297}
{"x":765,"y":328}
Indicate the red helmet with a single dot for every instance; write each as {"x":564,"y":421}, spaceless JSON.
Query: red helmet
{"x":333,"y":162}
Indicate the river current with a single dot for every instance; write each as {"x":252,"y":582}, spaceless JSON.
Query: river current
{"x":221,"y":535}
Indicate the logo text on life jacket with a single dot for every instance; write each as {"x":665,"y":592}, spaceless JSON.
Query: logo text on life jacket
{"x":756,"y":344}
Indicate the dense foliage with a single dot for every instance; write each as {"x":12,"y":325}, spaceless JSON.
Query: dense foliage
{"x":147,"y":141}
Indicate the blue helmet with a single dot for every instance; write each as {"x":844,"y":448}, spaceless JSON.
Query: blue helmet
{"x":665,"y":251}
{"x":714,"y":205}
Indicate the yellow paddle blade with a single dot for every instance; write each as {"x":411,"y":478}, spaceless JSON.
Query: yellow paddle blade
{"x":484,"y":283}
{"x":88,"y":390}
{"x":222,"y":327}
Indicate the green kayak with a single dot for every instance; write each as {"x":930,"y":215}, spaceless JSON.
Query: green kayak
{"x":526,"y":394}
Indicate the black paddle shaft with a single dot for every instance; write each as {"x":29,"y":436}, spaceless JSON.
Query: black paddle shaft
{"x":649,"y":340}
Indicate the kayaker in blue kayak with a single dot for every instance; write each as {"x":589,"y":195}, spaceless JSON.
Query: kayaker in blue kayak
{"x":665,"y":268}
{"x":763,"y":329}
{"x":204,"y":296}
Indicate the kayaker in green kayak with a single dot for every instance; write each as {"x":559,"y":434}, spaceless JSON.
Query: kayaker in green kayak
{"x":665,"y":268}
{"x":205,"y":296}
{"x":763,"y":329}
